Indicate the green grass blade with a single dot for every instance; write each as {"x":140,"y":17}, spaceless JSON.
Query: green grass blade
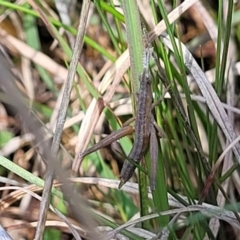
{"x":134,"y":38}
{"x":29,"y":177}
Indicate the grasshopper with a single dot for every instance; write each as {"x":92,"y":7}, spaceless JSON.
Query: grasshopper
{"x":143,"y":124}
{"x":145,"y":129}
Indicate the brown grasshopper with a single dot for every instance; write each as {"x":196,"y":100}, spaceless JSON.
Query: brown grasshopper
{"x":144,"y":130}
{"x":144,"y":127}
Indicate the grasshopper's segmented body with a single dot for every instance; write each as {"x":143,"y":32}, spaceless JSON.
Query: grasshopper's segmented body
{"x":142,"y":124}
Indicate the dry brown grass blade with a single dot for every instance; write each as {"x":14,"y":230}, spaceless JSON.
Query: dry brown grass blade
{"x":14,"y":144}
{"x":39,"y":58}
{"x":20,"y":192}
{"x":172,"y":16}
{"x":27,"y":77}
{"x":14,"y":196}
{"x":49,"y":223}
{"x":87,"y":127}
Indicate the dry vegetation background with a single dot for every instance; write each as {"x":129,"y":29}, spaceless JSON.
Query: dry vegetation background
{"x":99,"y":103}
